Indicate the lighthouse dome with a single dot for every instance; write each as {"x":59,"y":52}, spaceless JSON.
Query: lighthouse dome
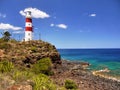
{"x":28,"y":14}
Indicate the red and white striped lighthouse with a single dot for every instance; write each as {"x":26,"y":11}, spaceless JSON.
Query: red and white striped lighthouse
{"x":28,"y":27}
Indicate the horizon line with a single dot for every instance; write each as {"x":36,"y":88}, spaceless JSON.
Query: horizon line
{"x":88,"y":48}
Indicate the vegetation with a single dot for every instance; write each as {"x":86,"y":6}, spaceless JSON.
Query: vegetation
{"x":69,"y":84}
{"x":42,"y":82}
{"x":39,"y":81}
{"x":33,"y":49}
{"x":30,"y":52}
{"x":43,"y":66}
{"x":6,"y":66}
{"x":4,"y":45}
{"x":6,"y":36}
{"x":27,"y":62}
{"x":20,"y":76}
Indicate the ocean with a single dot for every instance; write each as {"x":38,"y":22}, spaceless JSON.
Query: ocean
{"x":98,"y":58}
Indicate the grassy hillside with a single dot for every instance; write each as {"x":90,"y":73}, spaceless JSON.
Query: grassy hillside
{"x":27,"y":65}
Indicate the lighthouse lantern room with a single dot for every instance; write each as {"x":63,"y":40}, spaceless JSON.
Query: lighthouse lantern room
{"x":28,"y":27}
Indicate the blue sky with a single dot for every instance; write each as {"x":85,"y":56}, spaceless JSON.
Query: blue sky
{"x":65,"y":23}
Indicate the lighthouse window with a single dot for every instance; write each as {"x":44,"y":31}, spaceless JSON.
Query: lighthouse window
{"x":28,"y":34}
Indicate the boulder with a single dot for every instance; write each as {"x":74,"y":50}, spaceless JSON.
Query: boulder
{"x":20,"y":87}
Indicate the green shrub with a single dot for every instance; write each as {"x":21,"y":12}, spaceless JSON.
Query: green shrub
{"x":6,"y":66}
{"x":1,"y":40}
{"x":22,"y":75}
{"x":69,"y":84}
{"x":42,"y":82}
{"x":33,"y":49}
{"x":4,"y":45}
{"x":13,"y":41}
{"x":43,"y":66}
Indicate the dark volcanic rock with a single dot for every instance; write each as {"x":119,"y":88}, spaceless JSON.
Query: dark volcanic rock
{"x":84,"y":78}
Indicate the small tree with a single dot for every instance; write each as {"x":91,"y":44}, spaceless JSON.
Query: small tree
{"x":6,"y":36}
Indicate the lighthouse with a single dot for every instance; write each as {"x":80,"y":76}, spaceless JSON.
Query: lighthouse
{"x":28,"y":27}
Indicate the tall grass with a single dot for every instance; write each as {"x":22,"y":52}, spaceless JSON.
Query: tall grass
{"x":20,"y":76}
{"x":6,"y":66}
{"x":42,"y":82}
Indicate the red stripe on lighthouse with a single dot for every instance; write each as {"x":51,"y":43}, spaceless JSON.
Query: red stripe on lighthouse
{"x":28,"y":20}
{"x":28,"y":29}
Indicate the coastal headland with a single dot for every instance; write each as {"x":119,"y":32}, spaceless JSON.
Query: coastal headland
{"x":23,"y":66}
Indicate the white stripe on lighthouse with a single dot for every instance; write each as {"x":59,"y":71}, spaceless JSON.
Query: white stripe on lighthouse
{"x":28,"y":24}
{"x":28,"y":35}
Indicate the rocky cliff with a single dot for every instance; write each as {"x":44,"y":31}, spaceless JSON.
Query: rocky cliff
{"x":27,"y":53}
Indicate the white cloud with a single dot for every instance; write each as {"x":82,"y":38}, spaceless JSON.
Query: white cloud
{"x":22,"y":13}
{"x":52,"y":25}
{"x":92,"y":15}
{"x":4,"y":26}
{"x":18,"y":32}
{"x":63,"y":26}
{"x":36,"y":13}
{"x":2,"y":15}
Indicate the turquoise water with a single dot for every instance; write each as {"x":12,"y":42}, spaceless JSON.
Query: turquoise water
{"x":98,"y":58}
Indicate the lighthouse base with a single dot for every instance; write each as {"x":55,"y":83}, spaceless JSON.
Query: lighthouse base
{"x":28,"y":35}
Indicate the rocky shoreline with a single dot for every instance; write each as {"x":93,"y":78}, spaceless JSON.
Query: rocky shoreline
{"x":101,"y":74}
{"x":24,"y":55}
{"x":85,"y":79}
